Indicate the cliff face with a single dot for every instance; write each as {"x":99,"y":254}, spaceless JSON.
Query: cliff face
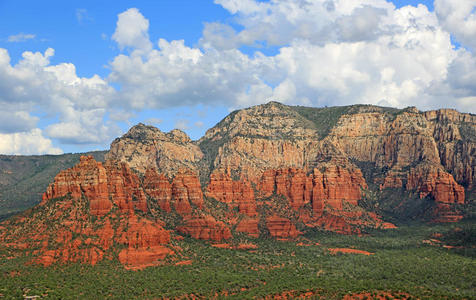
{"x":272,"y":170}
{"x":147,"y":147}
{"x":85,"y":212}
{"x":422,"y":152}
{"x":455,"y":136}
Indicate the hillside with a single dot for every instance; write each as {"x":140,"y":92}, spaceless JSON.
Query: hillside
{"x":23,"y":179}
{"x":270,"y":171}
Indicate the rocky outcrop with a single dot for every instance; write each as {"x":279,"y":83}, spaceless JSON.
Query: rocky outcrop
{"x":392,"y":140}
{"x":74,"y":229}
{"x":441,"y":186}
{"x":335,"y":186}
{"x":249,"y":226}
{"x":158,"y":187}
{"x":124,"y":187}
{"x":63,"y":230}
{"x":391,"y":180}
{"x":437,"y":183}
{"x":238,"y":194}
{"x":283,"y":228}
{"x":455,"y":135}
{"x":249,"y":141}
{"x":205,"y":228}
{"x":186,"y":190}
{"x":144,"y":242}
{"x":332,"y":187}
{"x":145,"y":147}
{"x":88,"y":178}
{"x":99,"y":183}
{"x":261,"y":170}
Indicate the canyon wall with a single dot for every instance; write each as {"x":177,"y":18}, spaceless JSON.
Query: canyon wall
{"x":269,"y":170}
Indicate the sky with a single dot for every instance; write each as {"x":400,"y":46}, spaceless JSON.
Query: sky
{"x":74,"y":75}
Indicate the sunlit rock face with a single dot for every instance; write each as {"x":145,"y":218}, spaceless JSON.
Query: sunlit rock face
{"x":270,"y":170}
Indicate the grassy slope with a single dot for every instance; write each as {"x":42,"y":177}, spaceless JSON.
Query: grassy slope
{"x":402,"y":263}
{"x":23,"y":179}
{"x":325,"y":118}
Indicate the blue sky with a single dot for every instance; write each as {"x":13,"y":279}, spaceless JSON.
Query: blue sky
{"x":92,"y":69}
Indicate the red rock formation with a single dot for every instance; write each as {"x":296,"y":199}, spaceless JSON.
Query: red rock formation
{"x":76,"y":237}
{"x":144,"y":240}
{"x":142,"y":258}
{"x":249,"y":226}
{"x":337,"y":224}
{"x":441,"y":186}
{"x":158,"y":187}
{"x":281,"y":227}
{"x":186,"y":189}
{"x":338,"y":185}
{"x":88,"y":178}
{"x":299,"y":163}
{"x":332,"y":187}
{"x":99,"y":183}
{"x":124,"y":187}
{"x":391,"y":180}
{"x":143,"y":233}
{"x":436,"y":183}
{"x":291,"y":183}
{"x":205,"y":228}
{"x":235,"y":193}
{"x":334,"y":251}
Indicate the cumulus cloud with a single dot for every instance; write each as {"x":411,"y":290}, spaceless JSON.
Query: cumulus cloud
{"x":16,"y":121}
{"x":132,"y":30}
{"x":459,"y":18}
{"x":33,"y":84}
{"x":175,"y":75}
{"x":330,"y":53}
{"x":277,"y":23}
{"x":325,"y":52}
{"x":21,"y":37}
{"x":27,"y":143}
{"x":83,"y":127}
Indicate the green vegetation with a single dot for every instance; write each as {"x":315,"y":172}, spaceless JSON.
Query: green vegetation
{"x":325,"y":118}
{"x":401,"y":263}
{"x":23,"y":179}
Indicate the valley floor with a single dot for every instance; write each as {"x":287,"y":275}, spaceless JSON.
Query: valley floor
{"x":411,"y":261}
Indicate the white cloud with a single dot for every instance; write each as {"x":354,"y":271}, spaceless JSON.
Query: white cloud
{"x":277,"y":23}
{"x":371,"y":53}
{"x":459,"y":18}
{"x":84,"y":127}
{"x":177,"y":75}
{"x":56,"y":91}
{"x":27,"y":143}
{"x":21,"y":37}
{"x":132,"y":31}
{"x":327,"y":52}
{"x":16,"y":121}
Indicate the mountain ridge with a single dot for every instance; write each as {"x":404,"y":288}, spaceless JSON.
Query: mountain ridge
{"x":268,"y":171}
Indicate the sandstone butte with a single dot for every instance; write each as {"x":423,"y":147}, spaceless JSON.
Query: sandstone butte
{"x":270,"y":170}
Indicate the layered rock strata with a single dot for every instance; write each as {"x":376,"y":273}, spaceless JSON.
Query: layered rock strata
{"x":269,"y":169}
